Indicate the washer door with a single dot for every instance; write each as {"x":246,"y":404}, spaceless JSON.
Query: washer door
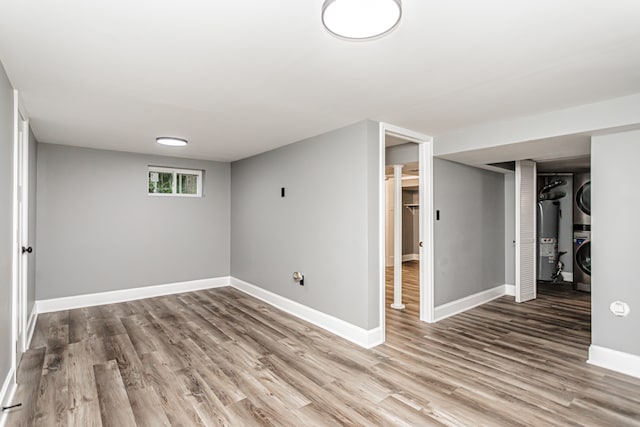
{"x":583,"y":258}
{"x":583,"y":198}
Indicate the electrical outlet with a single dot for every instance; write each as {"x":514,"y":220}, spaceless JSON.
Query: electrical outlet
{"x":620,"y":309}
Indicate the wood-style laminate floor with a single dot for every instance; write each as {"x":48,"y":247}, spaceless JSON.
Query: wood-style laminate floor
{"x":220,"y":357}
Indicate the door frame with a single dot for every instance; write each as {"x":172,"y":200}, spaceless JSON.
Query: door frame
{"x":425,"y":179}
{"x":20,"y":230}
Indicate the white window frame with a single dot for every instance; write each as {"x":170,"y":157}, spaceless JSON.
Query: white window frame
{"x":174,"y":186}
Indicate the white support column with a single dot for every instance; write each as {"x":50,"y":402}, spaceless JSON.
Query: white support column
{"x":397,"y":238}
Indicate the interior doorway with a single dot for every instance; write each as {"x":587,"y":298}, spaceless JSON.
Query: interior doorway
{"x":406,"y":196}
{"x":402,"y":228}
{"x":562,"y":218}
{"x":564,"y":222}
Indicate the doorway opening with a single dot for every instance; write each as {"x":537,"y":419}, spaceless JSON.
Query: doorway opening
{"x":564,"y":225}
{"x":406,"y":223}
{"x":402,"y":228}
{"x":561,"y":227}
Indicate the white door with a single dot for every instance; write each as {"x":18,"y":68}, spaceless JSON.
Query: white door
{"x":21,"y":230}
{"x":526,"y":200}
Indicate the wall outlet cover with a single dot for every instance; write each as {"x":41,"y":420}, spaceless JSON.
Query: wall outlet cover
{"x":620,"y":308}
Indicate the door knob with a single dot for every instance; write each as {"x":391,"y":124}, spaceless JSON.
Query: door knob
{"x":28,"y":250}
{"x":420,"y":244}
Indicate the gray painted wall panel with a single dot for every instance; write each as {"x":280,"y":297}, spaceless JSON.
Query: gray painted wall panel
{"x":615,"y":203}
{"x":99,"y":230}
{"x":6,"y":221}
{"x":401,"y":154}
{"x":322,"y":227}
{"x":375,"y":179}
{"x":510,"y":228}
{"x":469,"y":238}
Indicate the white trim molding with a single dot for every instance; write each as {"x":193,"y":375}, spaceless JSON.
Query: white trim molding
{"x":363,"y":337}
{"x":31,"y":326}
{"x":360,"y":336}
{"x":463,"y":304}
{"x":425,"y":178}
{"x":411,"y":257}
{"x":510,"y":290}
{"x":7,"y":393}
{"x":625,"y":363}
{"x":123,"y":295}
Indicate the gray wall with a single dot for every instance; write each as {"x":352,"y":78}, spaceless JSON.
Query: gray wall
{"x":99,"y":230}
{"x":401,"y":154}
{"x":510,"y":228}
{"x":6,"y":221}
{"x":615,"y":203}
{"x":325,"y":227}
{"x":33,"y":207}
{"x":470,"y":236}
{"x":372,"y":215}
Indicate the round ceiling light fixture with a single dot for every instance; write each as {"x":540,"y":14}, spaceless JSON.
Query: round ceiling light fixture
{"x":171,"y":141}
{"x":361,"y":19}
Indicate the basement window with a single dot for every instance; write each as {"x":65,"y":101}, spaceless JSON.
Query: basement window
{"x":175,"y":182}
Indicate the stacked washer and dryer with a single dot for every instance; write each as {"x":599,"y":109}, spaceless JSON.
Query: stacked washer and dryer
{"x":582,"y":232}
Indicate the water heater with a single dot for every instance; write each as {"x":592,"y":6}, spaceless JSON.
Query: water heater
{"x":548,"y":223}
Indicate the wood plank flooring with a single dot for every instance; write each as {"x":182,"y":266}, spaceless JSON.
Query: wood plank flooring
{"x":220,"y":357}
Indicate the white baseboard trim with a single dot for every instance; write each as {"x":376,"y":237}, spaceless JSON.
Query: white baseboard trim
{"x":6,"y":395}
{"x":365,"y":338}
{"x":362,"y":337}
{"x":411,"y":257}
{"x":9,"y":387}
{"x":463,"y":304}
{"x":374,"y":337}
{"x":615,"y":360}
{"x":112,"y":297}
{"x":31,"y":324}
{"x":510,"y":290}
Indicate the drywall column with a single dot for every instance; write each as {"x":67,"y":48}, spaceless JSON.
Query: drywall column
{"x":397,"y":238}
{"x":615,"y":202}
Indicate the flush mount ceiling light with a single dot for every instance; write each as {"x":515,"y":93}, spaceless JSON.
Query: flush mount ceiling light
{"x":361,"y":19}
{"x":169,"y":140}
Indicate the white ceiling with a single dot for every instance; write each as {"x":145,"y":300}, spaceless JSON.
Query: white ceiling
{"x":241,"y":77}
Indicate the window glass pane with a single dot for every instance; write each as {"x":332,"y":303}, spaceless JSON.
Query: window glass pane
{"x":160,"y":182}
{"x":187,"y":183}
